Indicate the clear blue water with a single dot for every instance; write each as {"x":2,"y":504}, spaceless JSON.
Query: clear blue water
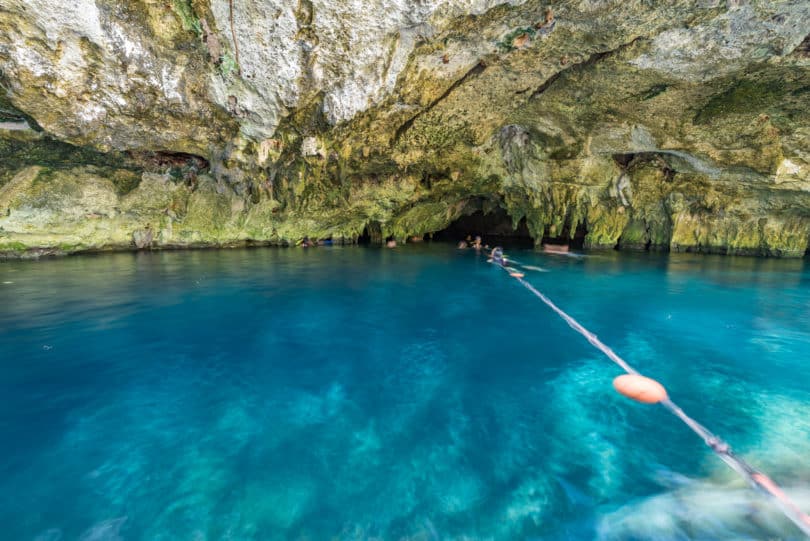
{"x":408,"y":394}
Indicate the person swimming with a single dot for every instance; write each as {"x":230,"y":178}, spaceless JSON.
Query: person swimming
{"x":477,"y":243}
{"x":497,"y":256}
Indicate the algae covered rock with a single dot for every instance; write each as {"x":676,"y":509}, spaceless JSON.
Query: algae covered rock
{"x":638,"y":125}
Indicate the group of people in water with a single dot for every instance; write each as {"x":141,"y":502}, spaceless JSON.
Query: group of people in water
{"x":470,"y":243}
{"x":496,"y":254}
{"x":475,"y":243}
{"x":309,"y":243}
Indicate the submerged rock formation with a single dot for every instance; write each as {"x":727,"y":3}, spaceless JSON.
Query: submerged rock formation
{"x":648,"y":125}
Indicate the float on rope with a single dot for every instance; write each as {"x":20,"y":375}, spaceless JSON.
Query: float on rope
{"x":646,"y":390}
{"x":639,"y":388}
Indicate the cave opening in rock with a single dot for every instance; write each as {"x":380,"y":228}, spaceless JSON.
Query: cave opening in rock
{"x":565,"y":238}
{"x":632,"y":160}
{"x":179,"y":165}
{"x":495,"y":227}
{"x":372,"y":234}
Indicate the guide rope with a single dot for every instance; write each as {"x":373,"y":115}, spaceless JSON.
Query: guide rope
{"x":755,"y":478}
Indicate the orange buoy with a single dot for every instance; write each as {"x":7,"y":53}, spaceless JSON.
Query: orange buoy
{"x":516,"y":274}
{"x":640,"y":388}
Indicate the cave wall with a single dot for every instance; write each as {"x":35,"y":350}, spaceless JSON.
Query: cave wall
{"x":654,"y":125}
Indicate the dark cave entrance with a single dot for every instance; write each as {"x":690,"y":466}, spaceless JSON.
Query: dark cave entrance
{"x":372,"y":234}
{"x":565,"y":238}
{"x":495,"y":227}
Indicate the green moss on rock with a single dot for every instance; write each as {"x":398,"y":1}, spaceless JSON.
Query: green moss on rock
{"x":597,"y":123}
{"x":185,"y":12}
{"x":744,"y":96}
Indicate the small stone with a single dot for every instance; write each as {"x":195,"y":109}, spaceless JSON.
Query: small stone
{"x":309,"y":147}
{"x":521,"y":41}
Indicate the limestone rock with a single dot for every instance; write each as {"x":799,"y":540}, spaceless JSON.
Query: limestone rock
{"x":143,"y":238}
{"x":649,"y":125}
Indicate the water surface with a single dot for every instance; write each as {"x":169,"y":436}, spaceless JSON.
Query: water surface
{"x":417,"y":393}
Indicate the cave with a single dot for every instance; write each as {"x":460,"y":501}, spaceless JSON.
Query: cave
{"x":495,"y":227}
{"x":631,"y":160}
{"x":574,"y":241}
{"x":372,"y":234}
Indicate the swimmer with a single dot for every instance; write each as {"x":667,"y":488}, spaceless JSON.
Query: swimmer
{"x":555,"y":248}
{"x":306,"y":243}
{"x":462,"y":244}
{"x":390,"y":243}
{"x":497,"y":256}
{"x":477,"y":243}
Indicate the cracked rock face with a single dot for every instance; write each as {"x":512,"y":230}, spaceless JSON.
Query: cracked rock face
{"x":98,"y":74}
{"x":650,"y":125}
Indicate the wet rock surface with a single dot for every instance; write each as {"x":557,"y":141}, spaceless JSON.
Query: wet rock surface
{"x":648,"y":125}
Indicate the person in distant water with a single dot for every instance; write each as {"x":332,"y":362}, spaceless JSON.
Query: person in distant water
{"x":462,"y":244}
{"x":306,"y":243}
{"x":477,"y":243}
{"x":417,"y":238}
{"x":390,"y":243}
{"x":497,"y":256}
{"x":555,"y":248}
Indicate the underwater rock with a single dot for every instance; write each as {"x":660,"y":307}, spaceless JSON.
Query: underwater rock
{"x":108,"y":530}
{"x":700,"y":510}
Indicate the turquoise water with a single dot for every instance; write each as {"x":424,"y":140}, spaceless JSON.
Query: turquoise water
{"x":408,"y":394}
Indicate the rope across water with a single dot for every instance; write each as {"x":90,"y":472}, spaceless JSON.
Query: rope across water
{"x":757,"y":479}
